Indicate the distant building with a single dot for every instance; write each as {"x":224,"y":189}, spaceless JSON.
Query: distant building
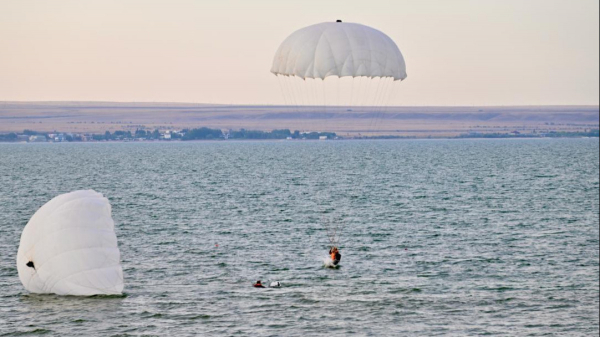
{"x":37,"y":138}
{"x":322,"y":137}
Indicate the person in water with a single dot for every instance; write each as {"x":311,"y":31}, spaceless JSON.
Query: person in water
{"x":258,"y":284}
{"x":335,"y":255}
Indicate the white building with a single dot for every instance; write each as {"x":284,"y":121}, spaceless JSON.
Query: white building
{"x":37,"y":138}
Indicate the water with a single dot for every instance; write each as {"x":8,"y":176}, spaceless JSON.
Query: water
{"x":466,"y":237}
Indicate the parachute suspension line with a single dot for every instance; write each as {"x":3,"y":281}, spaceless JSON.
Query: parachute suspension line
{"x":332,"y":237}
{"x":283,"y":92}
{"x":392,"y":93}
{"x":306,"y":92}
{"x":316,"y":102}
{"x":351,"y":107}
{"x":302,"y":89}
{"x":298,"y":90}
{"x":297,"y":93}
{"x":381,"y":102}
{"x":336,"y":95}
{"x":377,"y":100}
{"x":386,"y":98}
{"x":308,"y":95}
{"x":373,"y":106}
{"x":380,"y":94}
{"x":337,"y":99}
{"x":324,"y":97}
{"x":291,"y":82}
{"x":377,"y":93}
{"x":290,"y":93}
{"x":285,"y":81}
{"x":344,"y":104}
{"x":363,"y":93}
{"x":391,"y":88}
{"x":334,"y":231}
{"x":352,"y":92}
{"x":292,"y":99}
{"x":281,"y":89}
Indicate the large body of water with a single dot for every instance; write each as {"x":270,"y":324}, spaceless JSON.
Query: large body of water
{"x":461,"y":237}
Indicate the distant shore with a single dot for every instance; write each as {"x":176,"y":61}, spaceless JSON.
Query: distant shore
{"x":207,"y":134}
{"x":88,"y":118}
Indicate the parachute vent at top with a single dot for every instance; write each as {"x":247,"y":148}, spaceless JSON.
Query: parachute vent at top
{"x":339,"y":49}
{"x":69,"y":247}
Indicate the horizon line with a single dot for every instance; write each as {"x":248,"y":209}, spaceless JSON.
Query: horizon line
{"x":287,"y":105}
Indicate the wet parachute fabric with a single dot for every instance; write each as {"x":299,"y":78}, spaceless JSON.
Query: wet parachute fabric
{"x":339,"y":49}
{"x":69,"y":247}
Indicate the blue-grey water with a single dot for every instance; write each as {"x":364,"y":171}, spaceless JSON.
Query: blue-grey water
{"x":461,"y":237}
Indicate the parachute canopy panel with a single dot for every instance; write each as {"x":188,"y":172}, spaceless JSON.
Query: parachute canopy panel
{"x":69,"y":247}
{"x":339,"y":49}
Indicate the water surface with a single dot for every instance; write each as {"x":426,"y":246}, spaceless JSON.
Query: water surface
{"x":464,"y":237}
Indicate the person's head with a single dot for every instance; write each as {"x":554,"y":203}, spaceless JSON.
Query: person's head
{"x":334,"y":250}
{"x":258,"y":282}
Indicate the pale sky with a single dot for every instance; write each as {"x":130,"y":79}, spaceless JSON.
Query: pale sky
{"x":458,"y":52}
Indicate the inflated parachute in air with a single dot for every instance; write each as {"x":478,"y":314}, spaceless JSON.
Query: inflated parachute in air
{"x":339,"y":65}
{"x":339,"y":49}
{"x":69,"y":247}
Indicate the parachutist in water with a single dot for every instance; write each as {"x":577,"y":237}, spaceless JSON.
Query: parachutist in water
{"x":30,"y":265}
{"x":335,"y":255}
{"x":258,"y":284}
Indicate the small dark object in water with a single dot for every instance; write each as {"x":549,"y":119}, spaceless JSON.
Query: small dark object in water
{"x":30,"y":265}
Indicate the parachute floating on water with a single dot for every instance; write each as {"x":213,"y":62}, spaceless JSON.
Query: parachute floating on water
{"x":338,"y":64}
{"x":69,"y":247}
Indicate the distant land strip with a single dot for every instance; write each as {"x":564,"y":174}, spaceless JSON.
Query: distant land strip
{"x":141,"y":135}
{"x":346,"y":122}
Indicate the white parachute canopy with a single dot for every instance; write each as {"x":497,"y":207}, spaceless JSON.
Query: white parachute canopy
{"x":343,"y":73}
{"x":339,"y":49}
{"x":69,"y":247}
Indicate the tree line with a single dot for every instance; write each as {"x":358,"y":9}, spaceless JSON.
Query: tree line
{"x":202,"y":133}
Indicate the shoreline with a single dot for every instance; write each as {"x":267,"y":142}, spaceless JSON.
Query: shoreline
{"x":297,"y":140}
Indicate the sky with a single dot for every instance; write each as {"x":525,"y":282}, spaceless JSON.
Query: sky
{"x":458,"y":52}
